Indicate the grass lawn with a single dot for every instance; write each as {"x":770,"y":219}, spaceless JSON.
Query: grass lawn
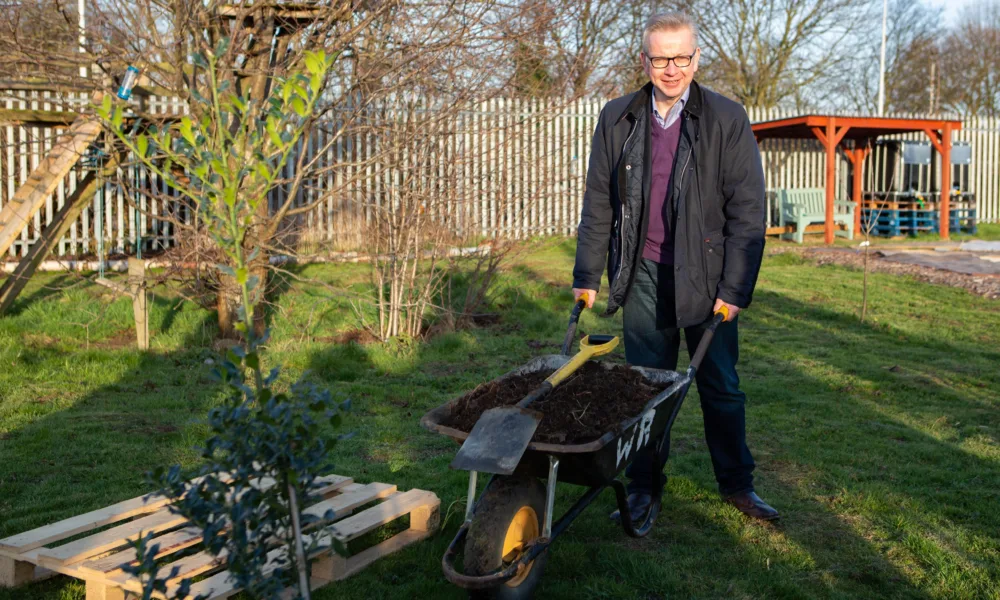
{"x":878,"y":442}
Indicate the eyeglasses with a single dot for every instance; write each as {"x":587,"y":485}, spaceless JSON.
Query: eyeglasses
{"x":661,"y":62}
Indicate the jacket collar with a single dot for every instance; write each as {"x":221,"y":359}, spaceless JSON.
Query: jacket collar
{"x":641,"y":99}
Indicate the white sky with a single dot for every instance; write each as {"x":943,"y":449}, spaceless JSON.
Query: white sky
{"x":951,"y":8}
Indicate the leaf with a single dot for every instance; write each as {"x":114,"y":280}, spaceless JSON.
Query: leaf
{"x":222,"y":46}
{"x":316,"y":83}
{"x":226,"y":270}
{"x":106,"y":106}
{"x":273,"y":134}
{"x":142,"y":144}
{"x":263,"y":172}
{"x":299,"y":107}
{"x":313,"y":63}
{"x":186,"y":130}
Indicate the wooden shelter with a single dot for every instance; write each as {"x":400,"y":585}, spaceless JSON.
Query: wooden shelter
{"x":833,"y":131}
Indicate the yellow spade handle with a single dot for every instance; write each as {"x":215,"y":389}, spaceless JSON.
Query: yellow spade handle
{"x":587,"y":351}
{"x":724,"y":311}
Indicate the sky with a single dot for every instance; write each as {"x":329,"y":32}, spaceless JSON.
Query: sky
{"x":951,"y":8}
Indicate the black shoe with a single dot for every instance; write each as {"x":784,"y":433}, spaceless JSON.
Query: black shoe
{"x":751,"y":505}
{"x":639,"y":504}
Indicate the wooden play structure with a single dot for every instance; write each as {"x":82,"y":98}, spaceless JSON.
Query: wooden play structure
{"x":94,"y":547}
{"x":85,"y":134}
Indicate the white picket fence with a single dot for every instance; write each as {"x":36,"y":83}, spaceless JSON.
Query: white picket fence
{"x":512,"y":166}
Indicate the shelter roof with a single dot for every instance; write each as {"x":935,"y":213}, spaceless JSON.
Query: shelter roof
{"x":860,"y":128}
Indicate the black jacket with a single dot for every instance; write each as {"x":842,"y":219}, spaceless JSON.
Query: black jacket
{"x":717,"y":194}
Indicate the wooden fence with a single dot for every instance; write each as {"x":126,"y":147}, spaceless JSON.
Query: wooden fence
{"x":512,"y":166}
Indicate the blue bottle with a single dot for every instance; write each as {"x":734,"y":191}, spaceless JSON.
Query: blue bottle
{"x":128,"y":82}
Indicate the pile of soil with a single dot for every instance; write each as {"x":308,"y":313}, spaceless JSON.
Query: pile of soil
{"x":591,"y":402}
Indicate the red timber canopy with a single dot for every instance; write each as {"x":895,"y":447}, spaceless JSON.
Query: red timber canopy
{"x":861,"y":132}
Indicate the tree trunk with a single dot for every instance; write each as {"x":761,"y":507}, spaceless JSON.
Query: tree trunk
{"x":227,"y":303}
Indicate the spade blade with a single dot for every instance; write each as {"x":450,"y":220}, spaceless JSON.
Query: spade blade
{"x":498,"y":440}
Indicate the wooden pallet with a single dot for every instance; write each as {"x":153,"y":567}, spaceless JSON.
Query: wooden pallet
{"x":82,"y":546}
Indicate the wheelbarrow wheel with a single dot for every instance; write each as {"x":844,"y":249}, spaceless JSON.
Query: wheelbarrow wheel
{"x":508,"y":516}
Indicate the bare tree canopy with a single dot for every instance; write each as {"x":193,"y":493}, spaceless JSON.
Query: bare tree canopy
{"x":970,"y":62}
{"x":766,"y":53}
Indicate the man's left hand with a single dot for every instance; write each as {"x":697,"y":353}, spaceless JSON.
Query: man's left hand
{"x":733,"y":309}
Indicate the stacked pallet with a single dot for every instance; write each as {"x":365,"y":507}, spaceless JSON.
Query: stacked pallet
{"x":892,"y":218}
{"x":85,"y":548}
{"x":962,"y":214}
{"x":898,"y":215}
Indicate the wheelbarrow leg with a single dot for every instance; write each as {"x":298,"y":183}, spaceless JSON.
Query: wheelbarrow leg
{"x":621,"y":495}
{"x":550,"y":496}
{"x":470,"y":501}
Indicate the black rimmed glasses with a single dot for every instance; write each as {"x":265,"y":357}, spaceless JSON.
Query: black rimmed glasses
{"x":661,"y":62}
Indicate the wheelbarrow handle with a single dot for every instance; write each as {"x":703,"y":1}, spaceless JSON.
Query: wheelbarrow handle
{"x":706,"y":338}
{"x":571,"y":331}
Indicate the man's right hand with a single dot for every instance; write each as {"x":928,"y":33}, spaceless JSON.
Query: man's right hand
{"x":588,"y":295}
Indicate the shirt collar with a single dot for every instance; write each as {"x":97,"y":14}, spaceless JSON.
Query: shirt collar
{"x":674,"y":110}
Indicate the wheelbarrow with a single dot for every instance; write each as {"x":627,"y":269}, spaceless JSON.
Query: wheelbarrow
{"x":508,"y":530}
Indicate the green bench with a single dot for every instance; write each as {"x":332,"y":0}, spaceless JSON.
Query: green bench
{"x":804,"y":206}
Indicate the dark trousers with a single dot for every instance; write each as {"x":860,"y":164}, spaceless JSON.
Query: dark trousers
{"x":652,"y":340}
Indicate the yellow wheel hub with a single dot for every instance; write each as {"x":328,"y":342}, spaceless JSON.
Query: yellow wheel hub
{"x":523,"y":528}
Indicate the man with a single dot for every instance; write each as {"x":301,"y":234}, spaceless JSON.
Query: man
{"x":675,"y":202}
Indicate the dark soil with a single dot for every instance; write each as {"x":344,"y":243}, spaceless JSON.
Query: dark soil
{"x":588,"y":404}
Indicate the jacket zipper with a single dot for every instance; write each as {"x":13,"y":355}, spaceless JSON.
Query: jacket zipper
{"x":621,"y":221}
{"x":680,"y":182}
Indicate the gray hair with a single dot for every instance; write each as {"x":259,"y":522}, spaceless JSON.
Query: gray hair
{"x":668,"y":21}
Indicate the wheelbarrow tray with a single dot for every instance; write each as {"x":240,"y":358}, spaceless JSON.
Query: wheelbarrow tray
{"x":593,"y":463}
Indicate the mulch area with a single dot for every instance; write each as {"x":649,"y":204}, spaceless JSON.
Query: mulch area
{"x":591,"y":402}
{"x":982,"y":285}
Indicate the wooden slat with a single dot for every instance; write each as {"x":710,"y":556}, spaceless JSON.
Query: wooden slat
{"x":351,"y":500}
{"x":809,"y":229}
{"x":367,"y":520}
{"x":219,"y":586}
{"x":190,"y":536}
{"x":169,"y":543}
{"x":110,"y":539}
{"x":366,"y":557}
{"x":61,"y":530}
{"x":202,"y":562}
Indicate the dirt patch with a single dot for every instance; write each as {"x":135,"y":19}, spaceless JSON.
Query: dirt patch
{"x":593,"y":401}
{"x":123,"y":338}
{"x":358,"y":336}
{"x":981,"y":285}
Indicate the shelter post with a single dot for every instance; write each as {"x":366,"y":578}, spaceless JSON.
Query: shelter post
{"x":831,"y":183}
{"x":857,"y":156}
{"x":945,"y":181}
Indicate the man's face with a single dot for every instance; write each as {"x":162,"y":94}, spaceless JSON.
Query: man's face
{"x":671,"y":80}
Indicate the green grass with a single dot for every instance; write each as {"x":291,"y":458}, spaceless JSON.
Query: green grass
{"x":879,"y":442}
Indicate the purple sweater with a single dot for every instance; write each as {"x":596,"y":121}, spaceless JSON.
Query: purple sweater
{"x":659,"y":242}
